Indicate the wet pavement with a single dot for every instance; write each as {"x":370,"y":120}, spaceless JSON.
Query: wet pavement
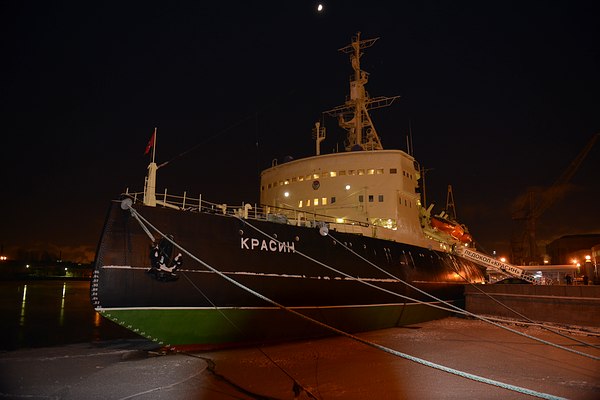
{"x":329,"y":368}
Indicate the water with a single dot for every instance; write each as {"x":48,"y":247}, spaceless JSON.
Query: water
{"x":51,"y":313}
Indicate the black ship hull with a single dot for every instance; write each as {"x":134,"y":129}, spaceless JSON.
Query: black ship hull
{"x":329,"y":278}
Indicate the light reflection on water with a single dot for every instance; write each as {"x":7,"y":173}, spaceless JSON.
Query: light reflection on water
{"x":23,"y":303}
{"x":62,"y":305}
{"x":50,"y":313}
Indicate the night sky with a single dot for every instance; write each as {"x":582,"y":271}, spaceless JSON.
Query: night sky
{"x":500,"y":96}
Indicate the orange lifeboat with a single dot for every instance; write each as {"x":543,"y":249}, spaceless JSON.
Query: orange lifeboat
{"x":451,"y":228}
{"x":466,"y":238}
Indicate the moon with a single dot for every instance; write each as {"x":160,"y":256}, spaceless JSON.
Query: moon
{"x":320,"y":7}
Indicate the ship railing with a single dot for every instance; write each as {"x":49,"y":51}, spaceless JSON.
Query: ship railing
{"x":165,"y":199}
{"x":283,"y":215}
{"x":298,"y":217}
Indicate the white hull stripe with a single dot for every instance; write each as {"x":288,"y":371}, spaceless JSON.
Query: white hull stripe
{"x":260,"y":274}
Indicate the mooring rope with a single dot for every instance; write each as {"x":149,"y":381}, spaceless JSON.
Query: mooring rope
{"x":465,"y":312}
{"x":294,"y":380}
{"x":530,"y":321}
{"x":356,"y":338}
{"x":453,"y":307}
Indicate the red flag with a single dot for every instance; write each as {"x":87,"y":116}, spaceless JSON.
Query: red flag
{"x":150,"y":143}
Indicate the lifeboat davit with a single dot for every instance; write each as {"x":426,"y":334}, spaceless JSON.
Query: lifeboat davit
{"x":451,"y":228}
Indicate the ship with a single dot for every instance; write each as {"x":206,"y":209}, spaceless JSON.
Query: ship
{"x":339,"y":242}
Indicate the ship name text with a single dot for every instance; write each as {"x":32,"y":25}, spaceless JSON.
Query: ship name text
{"x":267,"y":245}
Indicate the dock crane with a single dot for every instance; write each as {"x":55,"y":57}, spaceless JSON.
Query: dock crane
{"x":533,"y":205}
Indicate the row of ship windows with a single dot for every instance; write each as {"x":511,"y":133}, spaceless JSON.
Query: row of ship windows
{"x":361,"y":199}
{"x":333,"y":174}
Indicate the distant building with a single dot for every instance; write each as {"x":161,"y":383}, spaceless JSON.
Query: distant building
{"x":596,"y":255}
{"x":572,"y":247}
{"x":595,"y":264}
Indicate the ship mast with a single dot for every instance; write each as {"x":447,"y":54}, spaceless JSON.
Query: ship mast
{"x":353,"y":115}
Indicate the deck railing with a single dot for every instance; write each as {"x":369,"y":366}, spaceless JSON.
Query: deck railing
{"x":247,"y":211}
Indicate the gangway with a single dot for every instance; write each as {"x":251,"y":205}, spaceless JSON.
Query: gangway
{"x":487,"y":261}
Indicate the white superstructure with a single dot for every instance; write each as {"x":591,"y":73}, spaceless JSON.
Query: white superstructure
{"x":375,"y":190}
{"x":366,"y":189}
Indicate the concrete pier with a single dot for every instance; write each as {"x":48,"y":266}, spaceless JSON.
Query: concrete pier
{"x":329,"y":368}
{"x":563,"y":304}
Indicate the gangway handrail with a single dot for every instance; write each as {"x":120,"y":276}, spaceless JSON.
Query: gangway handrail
{"x":487,"y":261}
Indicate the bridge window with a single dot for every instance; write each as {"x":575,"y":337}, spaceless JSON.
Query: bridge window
{"x":361,"y":171}
{"x":324,"y":201}
{"x":333,"y":200}
{"x":361,"y":198}
{"x":370,"y":198}
{"x":379,"y":171}
{"x":300,"y":204}
{"x":371,"y":171}
{"x":340,"y":173}
{"x":316,"y":202}
{"x":393,"y":170}
{"x":380,"y":199}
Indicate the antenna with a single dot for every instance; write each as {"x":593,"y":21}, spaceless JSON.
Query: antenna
{"x":450,"y":208}
{"x":319,"y":136}
{"x":410,"y":148}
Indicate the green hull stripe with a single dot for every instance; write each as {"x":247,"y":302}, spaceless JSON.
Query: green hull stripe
{"x":221,"y":327}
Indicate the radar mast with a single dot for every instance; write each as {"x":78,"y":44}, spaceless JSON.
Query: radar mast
{"x":353,"y":115}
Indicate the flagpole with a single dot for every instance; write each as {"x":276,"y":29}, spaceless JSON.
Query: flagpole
{"x":154,"y":147}
{"x":150,"y":187}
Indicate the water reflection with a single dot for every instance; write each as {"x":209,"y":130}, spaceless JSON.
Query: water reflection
{"x":23,"y":304}
{"x":62,"y":305}
{"x":49,"y":313}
